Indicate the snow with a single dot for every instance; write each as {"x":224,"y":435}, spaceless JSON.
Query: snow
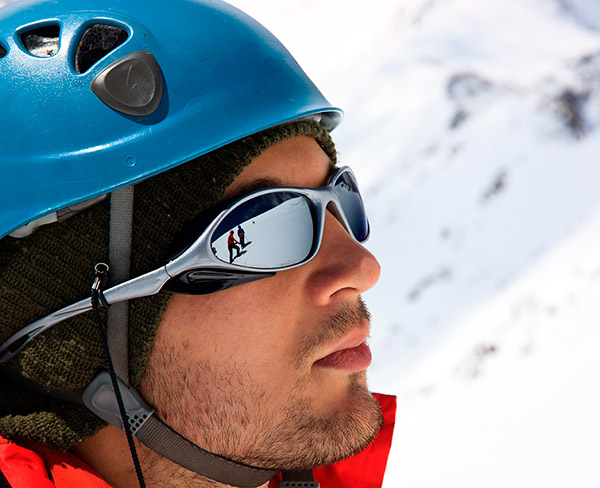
{"x":472,"y":127}
{"x":473,"y":130}
{"x":511,"y":396}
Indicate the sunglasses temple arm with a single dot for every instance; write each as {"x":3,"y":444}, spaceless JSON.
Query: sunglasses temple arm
{"x":142,"y":286}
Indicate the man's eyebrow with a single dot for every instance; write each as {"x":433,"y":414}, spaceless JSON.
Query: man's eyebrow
{"x":270,"y":182}
{"x":254,"y":185}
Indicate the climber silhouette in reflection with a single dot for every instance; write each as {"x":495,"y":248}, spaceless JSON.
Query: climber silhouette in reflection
{"x":241,"y":236}
{"x":232,"y":244}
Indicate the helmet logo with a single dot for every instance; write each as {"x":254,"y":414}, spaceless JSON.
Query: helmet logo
{"x":131,"y":85}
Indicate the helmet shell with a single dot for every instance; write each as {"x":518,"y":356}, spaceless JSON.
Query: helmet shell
{"x":224,"y":76}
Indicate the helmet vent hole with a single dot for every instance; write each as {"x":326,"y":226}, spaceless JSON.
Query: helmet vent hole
{"x":42,"y":42}
{"x":2,"y":51}
{"x":96,"y":42}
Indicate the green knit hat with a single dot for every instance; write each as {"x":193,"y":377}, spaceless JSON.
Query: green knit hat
{"x":53,"y":268}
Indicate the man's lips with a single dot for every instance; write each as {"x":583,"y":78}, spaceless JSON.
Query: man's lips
{"x":350,"y":354}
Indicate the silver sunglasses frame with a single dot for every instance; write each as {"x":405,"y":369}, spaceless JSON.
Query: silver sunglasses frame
{"x":198,"y":256}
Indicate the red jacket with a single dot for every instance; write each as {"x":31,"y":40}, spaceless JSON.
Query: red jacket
{"x":28,"y":465}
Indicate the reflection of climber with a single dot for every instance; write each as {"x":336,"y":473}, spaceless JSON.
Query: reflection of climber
{"x":241,"y":236}
{"x":232,"y":244}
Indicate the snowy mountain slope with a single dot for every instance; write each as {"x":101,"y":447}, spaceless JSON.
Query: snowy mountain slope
{"x":511,"y":399}
{"x":474,"y":129}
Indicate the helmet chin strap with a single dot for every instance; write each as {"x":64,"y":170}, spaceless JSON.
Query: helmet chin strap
{"x":119,"y":259}
{"x":101,"y":398}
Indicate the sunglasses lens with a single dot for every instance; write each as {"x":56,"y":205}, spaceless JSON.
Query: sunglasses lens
{"x":346,"y":190}
{"x":274,"y":230}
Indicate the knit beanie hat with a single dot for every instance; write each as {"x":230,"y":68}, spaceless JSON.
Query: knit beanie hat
{"x":53,"y":268}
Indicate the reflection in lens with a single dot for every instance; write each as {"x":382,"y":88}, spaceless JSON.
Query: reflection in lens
{"x":269,"y":231}
{"x":354,"y":210}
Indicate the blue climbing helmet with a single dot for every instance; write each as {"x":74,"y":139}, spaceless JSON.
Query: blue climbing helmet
{"x":97,"y":96}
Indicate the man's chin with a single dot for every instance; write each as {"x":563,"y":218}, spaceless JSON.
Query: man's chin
{"x":359,"y":432}
{"x":319,"y":441}
{"x":358,"y":424}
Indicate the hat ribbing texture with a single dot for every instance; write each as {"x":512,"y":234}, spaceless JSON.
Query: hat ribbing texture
{"x":54,"y":266}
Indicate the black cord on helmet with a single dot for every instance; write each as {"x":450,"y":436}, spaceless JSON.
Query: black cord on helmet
{"x":100,"y":274}
{"x":290,"y":479}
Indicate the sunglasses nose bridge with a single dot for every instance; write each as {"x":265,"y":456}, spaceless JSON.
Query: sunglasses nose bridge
{"x":335,"y":208}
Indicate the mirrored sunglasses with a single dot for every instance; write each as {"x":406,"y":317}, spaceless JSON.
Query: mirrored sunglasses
{"x":251,"y":238}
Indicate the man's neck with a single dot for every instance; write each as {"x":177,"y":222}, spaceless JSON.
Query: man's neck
{"x":108,"y":454}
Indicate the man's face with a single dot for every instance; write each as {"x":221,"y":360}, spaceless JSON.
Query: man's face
{"x":272,"y":373}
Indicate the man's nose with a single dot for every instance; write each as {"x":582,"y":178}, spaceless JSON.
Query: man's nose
{"x":342,"y":266}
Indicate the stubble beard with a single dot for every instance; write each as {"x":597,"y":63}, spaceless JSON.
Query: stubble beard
{"x":227,"y":413}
